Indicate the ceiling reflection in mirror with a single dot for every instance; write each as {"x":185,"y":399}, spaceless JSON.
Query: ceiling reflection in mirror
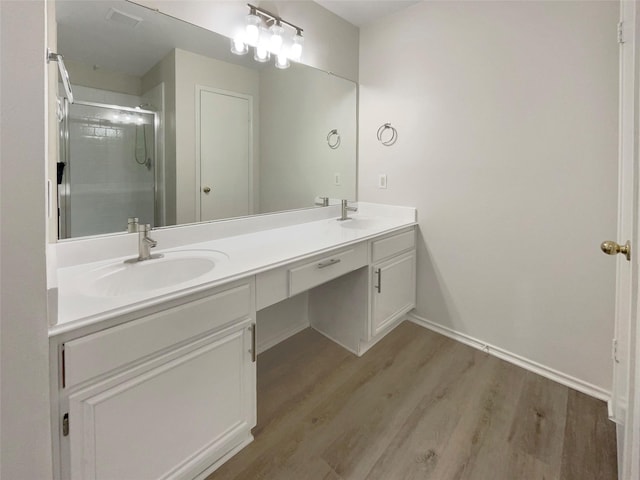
{"x":170,"y":127}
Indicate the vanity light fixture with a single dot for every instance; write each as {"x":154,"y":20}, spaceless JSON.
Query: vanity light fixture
{"x":275,"y":42}
{"x":265,"y":32}
{"x":252,"y":29}
{"x":296,"y":47}
{"x":261,"y":52}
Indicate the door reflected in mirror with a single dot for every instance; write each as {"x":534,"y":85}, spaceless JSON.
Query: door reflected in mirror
{"x":170,"y":127}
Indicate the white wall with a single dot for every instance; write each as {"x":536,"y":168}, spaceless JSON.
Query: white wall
{"x":507,"y":121}
{"x":25,"y":444}
{"x":331,"y":43}
{"x":193,"y":70}
{"x":299,"y":107}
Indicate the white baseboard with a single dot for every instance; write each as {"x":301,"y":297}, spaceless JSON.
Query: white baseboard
{"x":280,"y":337}
{"x":535,"y":367}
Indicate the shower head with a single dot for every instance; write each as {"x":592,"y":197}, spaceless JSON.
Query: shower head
{"x":146,"y":106}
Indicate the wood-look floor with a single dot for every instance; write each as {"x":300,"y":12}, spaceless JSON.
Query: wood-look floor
{"x":416,"y":406}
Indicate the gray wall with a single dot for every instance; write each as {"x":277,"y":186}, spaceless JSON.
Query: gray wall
{"x":507,"y":119}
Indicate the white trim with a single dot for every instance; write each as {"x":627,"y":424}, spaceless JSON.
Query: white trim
{"x":535,"y":367}
{"x":281,"y":337}
{"x":212,"y":468}
{"x":249,"y":98}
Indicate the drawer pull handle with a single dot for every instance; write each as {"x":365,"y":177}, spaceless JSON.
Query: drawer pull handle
{"x":327,"y":263}
{"x":379,"y":275}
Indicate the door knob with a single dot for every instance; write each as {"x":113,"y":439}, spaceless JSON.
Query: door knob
{"x":611,"y":248}
{"x":206,"y":189}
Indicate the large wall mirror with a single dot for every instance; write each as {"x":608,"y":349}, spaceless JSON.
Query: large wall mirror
{"x":170,"y":127}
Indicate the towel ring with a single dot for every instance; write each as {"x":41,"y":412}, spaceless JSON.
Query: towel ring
{"x":331,"y":141}
{"x":391,"y":140}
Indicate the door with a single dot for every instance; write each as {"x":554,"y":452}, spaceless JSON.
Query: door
{"x":225,"y":138}
{"x":624,"y":357}
{"x":170,"y":418}
{"x":394,"y":291}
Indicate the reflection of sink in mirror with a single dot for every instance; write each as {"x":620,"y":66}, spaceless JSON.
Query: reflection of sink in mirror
{"x":174,"y":268}
{"x":358,"y":223}
{"x":126,"y":90}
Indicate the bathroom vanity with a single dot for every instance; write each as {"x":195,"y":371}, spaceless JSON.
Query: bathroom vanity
{"x":154,"y":365}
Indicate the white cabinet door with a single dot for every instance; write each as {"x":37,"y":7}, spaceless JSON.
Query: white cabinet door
{"x":170,"y":418}
{"x":394,"y":290}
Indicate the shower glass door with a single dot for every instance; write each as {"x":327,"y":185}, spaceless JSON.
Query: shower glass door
{"x":109,"y":168}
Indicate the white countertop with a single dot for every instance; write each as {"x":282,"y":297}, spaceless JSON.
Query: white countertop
{"x":248,"y":254}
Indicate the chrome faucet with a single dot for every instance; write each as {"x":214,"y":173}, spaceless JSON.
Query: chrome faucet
{"x":145,"y":243}
{"x":346,"y":208}
{"x":324,"y":202}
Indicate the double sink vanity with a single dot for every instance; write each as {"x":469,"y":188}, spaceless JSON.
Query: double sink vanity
{"x":153,"y":363}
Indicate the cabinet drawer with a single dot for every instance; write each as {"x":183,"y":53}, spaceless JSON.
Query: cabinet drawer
{"x":104,"y":351}
{"x":326,"y":268}
{"x":392,"y":245}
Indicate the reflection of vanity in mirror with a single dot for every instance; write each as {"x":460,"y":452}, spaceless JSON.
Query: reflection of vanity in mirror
{"x":170,"y":127}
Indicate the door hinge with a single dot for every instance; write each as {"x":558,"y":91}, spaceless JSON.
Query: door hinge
{"x":620,"y":32}
{"x":65,"y":425}
{"x":614,"y":350}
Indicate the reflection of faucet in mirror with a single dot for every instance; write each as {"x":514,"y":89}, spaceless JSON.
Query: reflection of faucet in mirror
{"x":132,"y":224}
{"x":324,"y":202}
{"x":346,"y":208}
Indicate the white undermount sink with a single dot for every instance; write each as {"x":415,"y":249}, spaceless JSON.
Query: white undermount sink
{"x":173,"y":269}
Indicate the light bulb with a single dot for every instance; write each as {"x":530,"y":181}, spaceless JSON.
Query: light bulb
{"x":252,"y":30}
{"x":238,"y":46}
{"x":275,"y":42}
{"x":282,"y":61}
{"x":261,"y":54}
{"x":296,"y":47}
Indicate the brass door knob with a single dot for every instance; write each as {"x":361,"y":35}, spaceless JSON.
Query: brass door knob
{"x":611,"y":248}
{"x":206,"y":189}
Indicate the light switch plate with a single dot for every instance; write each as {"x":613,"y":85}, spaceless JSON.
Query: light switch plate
{"x":382,"y":180}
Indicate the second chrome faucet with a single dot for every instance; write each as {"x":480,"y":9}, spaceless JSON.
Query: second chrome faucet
{"x":345,"y":209}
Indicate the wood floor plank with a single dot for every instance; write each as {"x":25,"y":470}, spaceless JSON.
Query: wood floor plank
{"x":389,"y":406}
{"x":418,"y":446}
{"x":589,"y":440}
{"x":338,"y":421}
{"x":417,"y":406}
{"x":538,"y":429}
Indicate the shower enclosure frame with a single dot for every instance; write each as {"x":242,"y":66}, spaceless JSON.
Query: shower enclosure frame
{"x":64,"y":188}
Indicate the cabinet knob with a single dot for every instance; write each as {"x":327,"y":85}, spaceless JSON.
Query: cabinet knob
{"x":206,"y":189}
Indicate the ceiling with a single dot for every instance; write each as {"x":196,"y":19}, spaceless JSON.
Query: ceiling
{"x":86,"y":35}
{"x":363,"y":12}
